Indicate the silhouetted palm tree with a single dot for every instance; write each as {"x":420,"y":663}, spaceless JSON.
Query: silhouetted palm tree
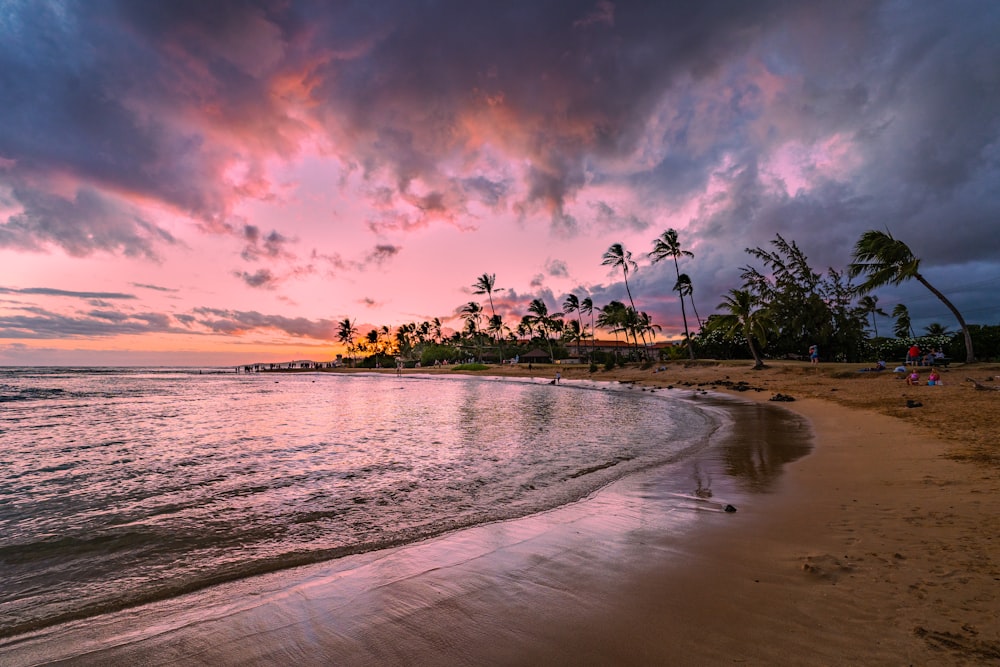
{"x":903,"y":326}
{"x":869,"y":306}
{"x":472,"y":313}
{"x":667,"y":245}
{"x":486,"y":284}
{"x":684,"y":287}
{"x":613,"y":318}
{"x":619,"y":257}
{"x":345,"y":334}
{"x":743,"y":316}
{"x":545,"y":322}
{"x":884,"y":260}
{"x":587,"y":306}
{"x":936,"y":329}
{"x":572,"y":305}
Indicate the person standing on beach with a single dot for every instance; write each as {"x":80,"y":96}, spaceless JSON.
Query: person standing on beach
{"x":913,"y":356}
{"x":558,"y":377}
{"x":814,"y":354}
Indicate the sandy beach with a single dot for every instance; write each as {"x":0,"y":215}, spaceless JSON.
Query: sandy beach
{"x":878,"y":547}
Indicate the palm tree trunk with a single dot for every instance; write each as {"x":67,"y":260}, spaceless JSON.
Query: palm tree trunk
{"x":969,"y":355}
{"x":634,"y":338}
{"x":758,"y":363}
{"x":687,"y":336}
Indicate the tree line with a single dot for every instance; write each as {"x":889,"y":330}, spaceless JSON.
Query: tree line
{"x":782,"y":306}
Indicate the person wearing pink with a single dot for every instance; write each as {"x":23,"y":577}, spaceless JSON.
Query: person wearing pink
{"x":913,"y":378}
{"x":933,"y":379}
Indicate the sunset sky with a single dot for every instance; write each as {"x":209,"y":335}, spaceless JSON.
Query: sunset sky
{"x":190,"y":182}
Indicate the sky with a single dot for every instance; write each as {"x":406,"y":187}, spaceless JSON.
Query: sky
{"x":217,"y":183}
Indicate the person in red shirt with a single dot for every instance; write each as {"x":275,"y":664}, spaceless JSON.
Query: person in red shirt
{"x":913,"y":356}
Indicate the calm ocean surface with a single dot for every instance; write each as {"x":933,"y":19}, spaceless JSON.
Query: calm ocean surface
{"x":119,"y":486}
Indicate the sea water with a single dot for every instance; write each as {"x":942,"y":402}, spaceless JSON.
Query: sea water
{"x":119,"y":486}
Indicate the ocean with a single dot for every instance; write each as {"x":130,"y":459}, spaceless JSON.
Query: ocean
{"x":120,"y":486}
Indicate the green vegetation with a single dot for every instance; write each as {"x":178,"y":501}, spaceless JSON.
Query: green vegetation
{"x":884,"y":260}
{"x":782,"y":307}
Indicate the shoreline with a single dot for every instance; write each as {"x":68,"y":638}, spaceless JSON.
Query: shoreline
{"x":874,"y":548}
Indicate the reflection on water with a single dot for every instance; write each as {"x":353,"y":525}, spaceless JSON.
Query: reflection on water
{"x":120,"y":487}
{"x":767,"y":438}
{"x":485,"y":595}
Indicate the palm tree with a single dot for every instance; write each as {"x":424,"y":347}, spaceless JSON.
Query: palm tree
{"x":885,"y":260}
{"x":684,"y":287}
{"x":667,"y":245}
{"x":572,"y":305}
{"x":587,"y":306}
{"x":869,"y":306}
{"x":472,"y":313}
{"x":572,"y":332}
{"x":613,"y":318}
{"x":496,"y":327}
{"x":645,"y":323}
{"x":346,"y":332}
{"x":486,"y":284}
{"x":936,"y":329}
{"x":619,"y":257}
{"x":373,"y":343}
{"x":526,"y":327}
{"x":903,"y":326}
{"x":743,"y":316}
{"x":544,"y":322}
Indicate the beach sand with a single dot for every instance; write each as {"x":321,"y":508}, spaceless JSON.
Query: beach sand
{"x":879,"y":547}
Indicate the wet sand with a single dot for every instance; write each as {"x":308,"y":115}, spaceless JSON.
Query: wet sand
{"x":873,"y":549}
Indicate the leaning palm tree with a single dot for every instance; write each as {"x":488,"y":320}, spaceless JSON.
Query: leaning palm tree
{"x":884,"y":260}
{"x":868,"y":305}
{"x":667,"y":245}
{"x":619,"y":257}
{"x":346,"y":332}
{"x":743,"y":315}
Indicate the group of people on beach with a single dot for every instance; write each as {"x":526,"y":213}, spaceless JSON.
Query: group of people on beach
{"x":914,"y":378}
{"x":915,"y":358}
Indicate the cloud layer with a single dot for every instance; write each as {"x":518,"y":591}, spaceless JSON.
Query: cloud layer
{"x":137,"y":130}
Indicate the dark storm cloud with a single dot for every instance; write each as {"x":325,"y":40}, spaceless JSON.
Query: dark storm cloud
{"x":123,"y":96}
{"x":581,"y":80}
{"x":894,"y":105}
